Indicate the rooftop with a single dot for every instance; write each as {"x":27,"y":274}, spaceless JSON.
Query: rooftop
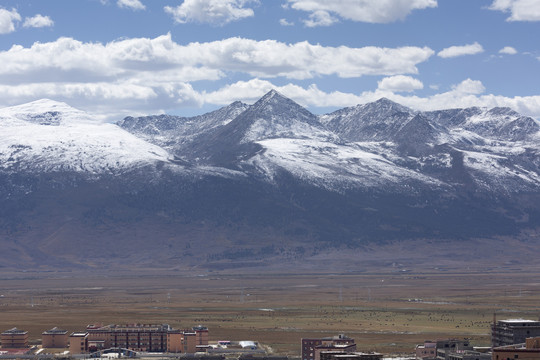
{"x":79,"y":334}
{"x":55,"y":331}
{"x":518,"y":321}
{"x":14,"y":331}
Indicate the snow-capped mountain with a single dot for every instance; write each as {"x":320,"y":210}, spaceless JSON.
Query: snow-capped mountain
{"x":380,"y":144}
{"x":174,"y":132}
{"x":214,"y":185}
{"x":49,"y":136}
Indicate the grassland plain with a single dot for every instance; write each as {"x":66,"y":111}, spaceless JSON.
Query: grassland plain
{"x":384,"y":311}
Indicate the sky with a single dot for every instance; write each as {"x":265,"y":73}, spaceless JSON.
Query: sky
{"x":116,"y":58}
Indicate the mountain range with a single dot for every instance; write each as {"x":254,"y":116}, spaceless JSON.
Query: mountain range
{"x":269,"y":185}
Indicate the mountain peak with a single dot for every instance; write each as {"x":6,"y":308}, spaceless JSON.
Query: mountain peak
{"x":272,"y":93}
{"x":387,"y":104}
{"x":274,"y":97}
{"x":45,"y":112}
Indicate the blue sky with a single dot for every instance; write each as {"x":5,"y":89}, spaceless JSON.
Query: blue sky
{"x":127,"y":57}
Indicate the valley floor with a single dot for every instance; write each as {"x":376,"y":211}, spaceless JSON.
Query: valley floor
{"x":386,"y":310}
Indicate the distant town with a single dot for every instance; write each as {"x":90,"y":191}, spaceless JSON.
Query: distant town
{"x":512,"y":339}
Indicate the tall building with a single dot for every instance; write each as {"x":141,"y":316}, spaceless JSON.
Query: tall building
{"x":78,"y":343}
{"x":14,"y":339}
{"x":449,"y":346}
{"x":54,"y":338}
{"x":513,"y":331}
{"x":426,"y":351}
{"x":311,"y":348}
{"x":146,"y":337}
{"x":530,"y":350}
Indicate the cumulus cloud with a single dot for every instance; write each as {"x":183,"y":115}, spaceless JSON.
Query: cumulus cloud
{"x":250,"y":91}
{"x":143,"y":73}
{"x":520,"y":10}
{"x":508,"y":50}
{"x":400,"y":83}
{"x":68,"y":58}
{"x":380,"y":11}
{"x":38,"y":21}
{"x":216,"y":12}
{"x":7,"y":20}
{"x":320,"y":18}
{"x":454,"y":51}
{"x":467,"y":93}
{"x":285,"y":22}
{"x":131,"y":4}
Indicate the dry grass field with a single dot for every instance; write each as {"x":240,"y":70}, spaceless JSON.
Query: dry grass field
{"x":388,"y":312}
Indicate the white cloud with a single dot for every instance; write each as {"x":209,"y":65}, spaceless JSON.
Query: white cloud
{"x":131,"y":4}
{"x":520,"y":10}
{"x":469,"y":86}
{"x":380,"y":11}
{"x":142,"y":73}
{"x":454,"y":51}
{"x":320,"y":18}
{"x":468,"y":93}
{"x":8,"y":20}
{"x":38,"y":21}
{"x":216,"y":12}
{"x":508,"y":50}
{"x":69,"y":58}
{"x":400,"y":83}
{"x":284,"y":22}
{"x":250,"y":91}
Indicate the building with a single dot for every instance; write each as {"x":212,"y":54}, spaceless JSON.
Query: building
{"x":146,"y":337}
{"x":530,"y":350}
{"x":54,"y":338}
{"x":14,"y":339}
{"x":468,"y":355}
{"x":311,"y":348}
{"x":450,"y":346}
{"x":78,"y":343}
{"x":334,"y":349}
{"x":332,"y":355}
{"x":513,"y":331}
{"x":426,"y":351}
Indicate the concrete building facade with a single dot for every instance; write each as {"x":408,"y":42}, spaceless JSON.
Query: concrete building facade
{"x":14,"y":339}
{"x":145,"y":338}
{"x":332,"y":355}
{"x":311,"y":348}
{"x":55,"y":338}
{"x":78,"y":343}
{"x":426,"y":351}
{"x":530,"y":350}
{"x":468,"y":355}
{"x":513,"y":331}
{"x":447,"y":347}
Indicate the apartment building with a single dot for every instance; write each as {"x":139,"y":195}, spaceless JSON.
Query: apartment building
{"x":332,"y":355}
{"x":78,"y":343}
{"x":530,"y":350}
{"x":312,"y":348}
{"x":14,"y":339}
{"x":513,"y":331}
{"x":146,"y":337}
{"x":54,"y":338}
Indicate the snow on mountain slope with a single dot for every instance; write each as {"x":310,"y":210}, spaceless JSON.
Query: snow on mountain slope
{"x":375,"y":121}
{"x":50,"y":136}
{"x":275,"y":116}
{"x":381,"y":144}
{"x":174,"y":132}
{"x":335,"y":167}
{"x":45,"y":112}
